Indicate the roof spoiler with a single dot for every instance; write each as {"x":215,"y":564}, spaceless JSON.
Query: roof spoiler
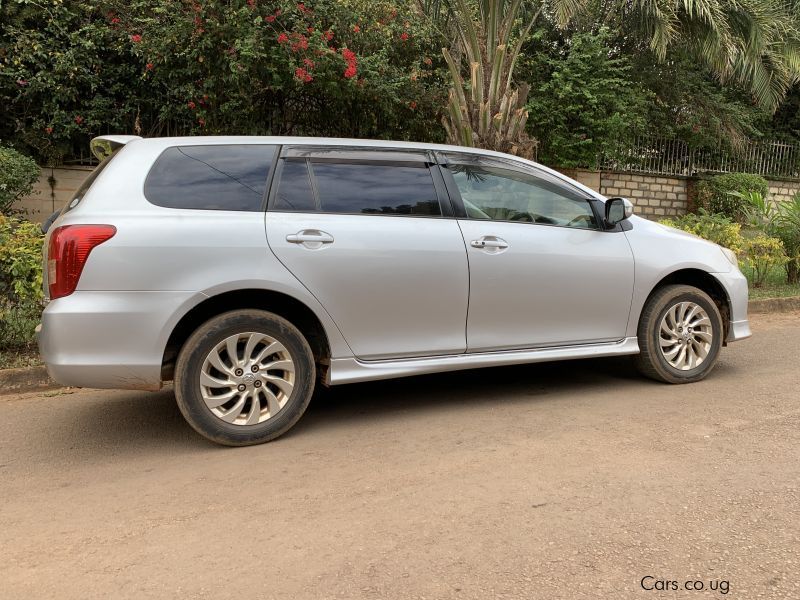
{"x":104,"y":146}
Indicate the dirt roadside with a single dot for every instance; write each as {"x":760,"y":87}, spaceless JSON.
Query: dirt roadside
{"x":568,"y":480}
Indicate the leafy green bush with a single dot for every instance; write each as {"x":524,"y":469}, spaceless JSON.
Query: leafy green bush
{"x":713,"y":227}
{"x":788,"y":231}
{"x":20,"y":282}
{"x":763,"y":254}
{"x":584,"y":102}
{"x":17,"y":176}
{"x":352,"y":68}
{"x":779,"y":220}
{"x":723,"y":194}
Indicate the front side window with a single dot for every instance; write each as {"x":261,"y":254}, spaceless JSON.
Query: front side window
{"x":375,"y":188}
{"x":500,"y":194}
{"x":224,"y":177}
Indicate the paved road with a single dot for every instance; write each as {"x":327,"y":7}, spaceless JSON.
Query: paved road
{"x":571,"y":480}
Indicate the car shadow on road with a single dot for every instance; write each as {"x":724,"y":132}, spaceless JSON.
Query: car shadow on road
{"x":470,"y":388}
{"x":136,"y":422}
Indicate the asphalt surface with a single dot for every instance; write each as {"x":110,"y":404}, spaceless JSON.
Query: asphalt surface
{"x":568,"y":480}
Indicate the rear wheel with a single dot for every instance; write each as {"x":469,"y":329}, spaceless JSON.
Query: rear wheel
{"x":244,"y":377}
{"x":680,"y":335}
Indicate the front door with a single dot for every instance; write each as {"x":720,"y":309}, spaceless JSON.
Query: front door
{"x":542,"y":273}
{"x":367,"y":233}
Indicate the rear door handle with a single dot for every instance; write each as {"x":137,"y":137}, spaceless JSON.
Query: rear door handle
{"x":490,"y":243}
{"x":310,"y":238}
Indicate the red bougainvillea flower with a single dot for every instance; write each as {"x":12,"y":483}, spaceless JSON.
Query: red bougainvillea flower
{"x":283,"y":38}
{"x":328,"y":35}
{"x":352,"y":60}
{"x":79,"y":119}
{"x":300,"y":44}
{"x":412,"y":105}
{"x":201,"y":121}
{"x":356,"y":29}
{"x":404,"y":36}
{"x":191,"y":105}
{"x":48,"y":130}
{"x":269,"y":18}
{"x":349,"y":55}
{"x":115,"y":21}
{"x":136,"y":38}
{"x":149,"y":66}
{"x":303,"y":8}
{"x":308,"y":62}
{"x":310,"y":30}
{"x":22,"y":82}
{"x":251,"y":2}
{"x":427,"y":60}
{"x":302,"y":75}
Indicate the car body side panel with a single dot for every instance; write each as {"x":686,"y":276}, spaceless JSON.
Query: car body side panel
{"x":552,"y":286}
{"x":136,"y":286}
{"x":660,"y":251}
{"x":394,"y":285}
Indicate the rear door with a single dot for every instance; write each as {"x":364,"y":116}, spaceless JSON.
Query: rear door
{"x":371,"y":235}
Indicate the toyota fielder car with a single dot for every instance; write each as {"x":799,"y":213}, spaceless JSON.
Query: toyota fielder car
{"x":250,"y":269}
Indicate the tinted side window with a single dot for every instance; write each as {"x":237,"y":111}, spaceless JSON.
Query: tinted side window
{"x":508,"y":195}
{"x":294,"y":191}
{"x":376,"y":188}
{"x":210,"y":177}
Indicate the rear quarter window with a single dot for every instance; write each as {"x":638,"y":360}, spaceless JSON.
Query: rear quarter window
{"x":222,"y":177}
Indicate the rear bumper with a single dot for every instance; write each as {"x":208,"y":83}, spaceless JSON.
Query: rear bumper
{"x":109,"y":339}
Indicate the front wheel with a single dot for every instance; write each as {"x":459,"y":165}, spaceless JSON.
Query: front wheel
{"x":244,"y":377}
{"x":680,"y":335}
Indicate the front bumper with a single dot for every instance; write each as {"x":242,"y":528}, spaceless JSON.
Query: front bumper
{"x":109,"y":339}
{"x":735,"y":285}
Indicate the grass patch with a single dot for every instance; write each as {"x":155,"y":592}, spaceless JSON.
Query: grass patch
{"x":18,"y":360}
{"x":774,"y":287}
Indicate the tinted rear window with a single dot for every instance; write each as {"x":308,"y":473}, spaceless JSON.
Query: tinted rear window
{"x":87,"y":183}
{"x":376,"y":188}
{"x":232,"y":177}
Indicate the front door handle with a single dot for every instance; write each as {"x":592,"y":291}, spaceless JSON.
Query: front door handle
{"x":310,"y":238}
{"x":490,"y":243}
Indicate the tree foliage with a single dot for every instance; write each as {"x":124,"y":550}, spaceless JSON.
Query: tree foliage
{"x":488,"y":109}
{"x":18,"y":173}
{"x":347,"y":68}
{"x":586,"y":100}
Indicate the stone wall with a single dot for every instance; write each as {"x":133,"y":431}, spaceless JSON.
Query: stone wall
{"x":53,"y":190}
{"x":654,"y":196}
{"x":783,"y":190}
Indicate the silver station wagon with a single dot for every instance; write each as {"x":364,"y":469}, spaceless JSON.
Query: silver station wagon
{"x":248,"y":269}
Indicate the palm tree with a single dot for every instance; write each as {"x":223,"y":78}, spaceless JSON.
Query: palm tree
{"x":754,"y":44}
{"x":489,"y":112}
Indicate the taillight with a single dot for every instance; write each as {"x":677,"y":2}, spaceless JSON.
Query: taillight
{"x":67,"y":252}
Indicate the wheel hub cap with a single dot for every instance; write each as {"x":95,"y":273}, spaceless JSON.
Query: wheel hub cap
{"x":247,"y":378}
{"x":685,"y":335}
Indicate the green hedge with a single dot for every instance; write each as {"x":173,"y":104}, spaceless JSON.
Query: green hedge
{"x":714,"y":195}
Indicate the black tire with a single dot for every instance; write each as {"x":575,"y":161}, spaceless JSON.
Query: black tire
{"x":205,"y":339}
{"x":651,"y":361}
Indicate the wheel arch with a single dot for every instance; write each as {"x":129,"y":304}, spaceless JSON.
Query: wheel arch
{"x":279,"y":303}
{"x":702,"y":280}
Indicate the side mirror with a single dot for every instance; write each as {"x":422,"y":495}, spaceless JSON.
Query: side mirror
{"x":617,"y":209}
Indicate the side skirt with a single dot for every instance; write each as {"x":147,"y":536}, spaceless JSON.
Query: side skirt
{"x":352,"y":370}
